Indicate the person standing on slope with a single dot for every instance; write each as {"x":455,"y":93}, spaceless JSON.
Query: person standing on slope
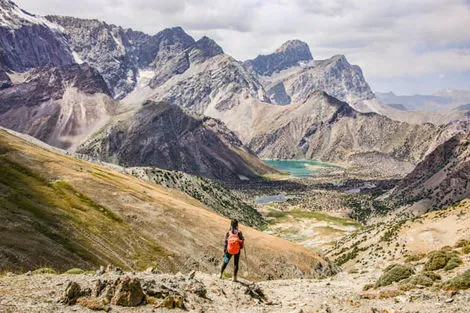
{"x":232,"y":247}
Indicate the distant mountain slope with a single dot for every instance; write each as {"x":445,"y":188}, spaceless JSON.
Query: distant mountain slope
{"x":60,"y":106}
{"x":324,"y":128}
{"x":415,"y":102}
{"x":443,"y":177}
{"x":165,"y":136}
{"x":28,"y":41}
{"x":62,"y":212}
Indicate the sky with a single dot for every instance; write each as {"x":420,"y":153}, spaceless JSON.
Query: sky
{"x":405,"y":46}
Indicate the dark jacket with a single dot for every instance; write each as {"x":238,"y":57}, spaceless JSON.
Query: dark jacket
{"x":240,"y":236}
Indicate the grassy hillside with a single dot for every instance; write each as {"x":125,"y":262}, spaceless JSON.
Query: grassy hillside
{"x":62,"y":212}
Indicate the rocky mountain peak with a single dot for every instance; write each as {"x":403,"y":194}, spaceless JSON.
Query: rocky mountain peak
{"x":209,"y":46}
{"x":339,"y":59}
{"x":298,"y":47}
{"x":204,"y":49}
{"x":176,"y":31}
{"x":289,"y":54}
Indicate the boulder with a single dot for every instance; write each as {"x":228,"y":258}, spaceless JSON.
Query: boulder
{"x":128,"y":293}
{"x":71,"y":294}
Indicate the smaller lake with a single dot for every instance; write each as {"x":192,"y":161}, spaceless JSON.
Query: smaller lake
{"x":269,"y":199}
{"x":298,"y":168}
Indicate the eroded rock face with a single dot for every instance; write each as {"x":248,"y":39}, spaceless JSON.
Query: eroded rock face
{"x":28,"y":41}
{"x":58,"y":105}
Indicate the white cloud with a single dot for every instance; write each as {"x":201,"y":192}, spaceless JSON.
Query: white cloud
{"x":388,"y":39}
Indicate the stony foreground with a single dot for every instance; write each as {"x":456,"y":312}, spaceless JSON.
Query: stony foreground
{"x":197,"y":292}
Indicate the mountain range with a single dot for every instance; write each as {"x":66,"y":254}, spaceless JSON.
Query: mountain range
{"x":446,"y":99}
{"x":102,"y":75}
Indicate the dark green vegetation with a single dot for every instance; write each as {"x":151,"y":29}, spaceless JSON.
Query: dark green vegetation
{"x":211,"y":193}
{"x":394,"y":273}
{"x":460,"y":282}
{"x":447,"y":260}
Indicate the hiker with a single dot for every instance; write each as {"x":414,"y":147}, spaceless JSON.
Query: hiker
{"x":233,"y":244}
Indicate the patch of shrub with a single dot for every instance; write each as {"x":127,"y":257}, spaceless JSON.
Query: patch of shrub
{"x":74,"y":271}
{"x":454,"y":262}
{"x":460,"y":282}
{"x":466,"y":250}
{"x":446,"y":249}
{"x":394,"y":273}
{"x":406,"y":287}
{"x":432,"y":275}
{"x":462,"y":243}
{"x":419,"y":279}
{"x":45,"y":270}
{"x":439,"y":259}
{"x":94,"y":304}
{"x":414,"y":257}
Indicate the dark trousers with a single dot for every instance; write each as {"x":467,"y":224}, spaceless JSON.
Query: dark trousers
{"x":227,"y":258}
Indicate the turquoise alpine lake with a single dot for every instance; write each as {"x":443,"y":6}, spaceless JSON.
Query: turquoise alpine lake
{"x":298,"y":168}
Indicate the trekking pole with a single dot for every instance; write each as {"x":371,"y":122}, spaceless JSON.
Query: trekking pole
{"x":246,"y":260}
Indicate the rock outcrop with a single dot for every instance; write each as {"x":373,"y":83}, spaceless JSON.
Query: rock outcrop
{"x":336,"y":76}
{"x":128,"y":292}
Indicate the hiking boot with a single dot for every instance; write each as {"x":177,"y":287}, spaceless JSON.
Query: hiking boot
{"x":235,"y":278}
{"x":221,"y":275}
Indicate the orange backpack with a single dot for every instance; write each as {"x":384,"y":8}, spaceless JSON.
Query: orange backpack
{"x":233,"y":246}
